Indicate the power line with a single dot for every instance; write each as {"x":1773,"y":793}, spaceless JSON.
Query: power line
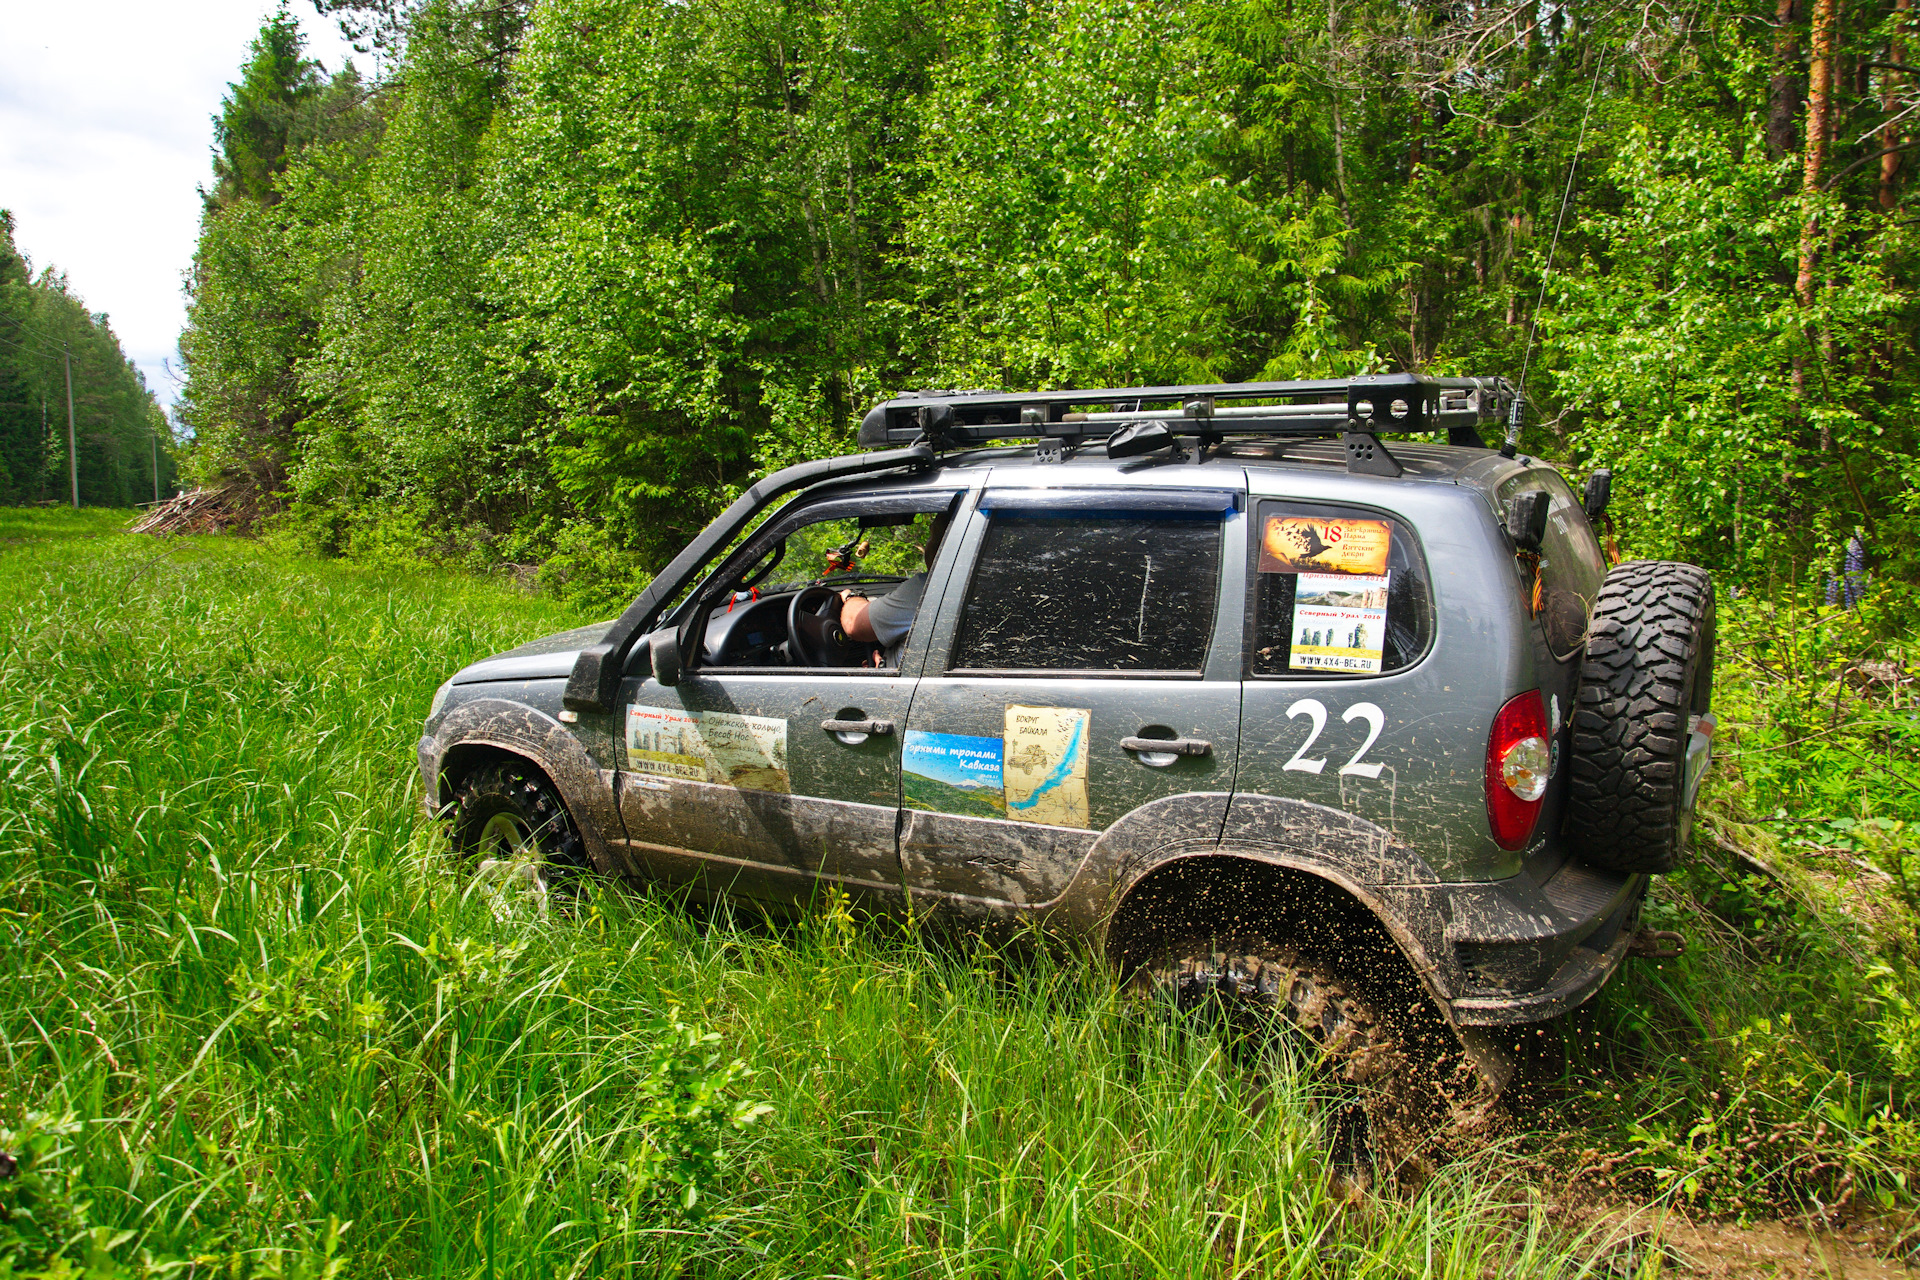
{"x":45,"y":351}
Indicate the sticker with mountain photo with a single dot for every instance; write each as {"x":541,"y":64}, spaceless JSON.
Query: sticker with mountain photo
{"x":952,"y":773}
{"x":1339,"y":622}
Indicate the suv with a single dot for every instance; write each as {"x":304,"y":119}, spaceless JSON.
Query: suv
{"x":1207,"y":675}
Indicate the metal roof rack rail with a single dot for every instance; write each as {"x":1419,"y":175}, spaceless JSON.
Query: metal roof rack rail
{"x":1359,"y":410}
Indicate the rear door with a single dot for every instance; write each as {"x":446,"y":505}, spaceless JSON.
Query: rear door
{"x":1082,"y":628}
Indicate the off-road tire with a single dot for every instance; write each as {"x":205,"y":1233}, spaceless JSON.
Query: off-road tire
{"x":501,"y":799}
{"x":1379,"y":1099}
{"x":1648,"y":667}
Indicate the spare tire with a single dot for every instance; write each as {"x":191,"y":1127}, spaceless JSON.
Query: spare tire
{"x":1647,"y":671}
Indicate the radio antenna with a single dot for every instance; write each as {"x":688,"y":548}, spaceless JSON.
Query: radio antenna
{"x":1511,"y":445}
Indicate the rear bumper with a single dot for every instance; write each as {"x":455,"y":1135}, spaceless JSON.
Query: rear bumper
{"x":1584,"y":973}
{"x":1532,"y":952}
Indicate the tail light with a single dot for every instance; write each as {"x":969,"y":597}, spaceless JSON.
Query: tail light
{"x":1519,"y":760}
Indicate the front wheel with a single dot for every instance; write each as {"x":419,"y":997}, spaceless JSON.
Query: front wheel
{"x":508,"y":818}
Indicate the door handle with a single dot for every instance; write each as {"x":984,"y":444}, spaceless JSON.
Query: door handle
{"x":857,"y":726}
{"x":1169,"y":746}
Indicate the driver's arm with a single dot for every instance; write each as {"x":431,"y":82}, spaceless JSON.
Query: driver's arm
{"x":854,"y":620}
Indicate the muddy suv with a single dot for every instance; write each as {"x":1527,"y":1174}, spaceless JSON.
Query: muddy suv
{"x":1211,"y":676}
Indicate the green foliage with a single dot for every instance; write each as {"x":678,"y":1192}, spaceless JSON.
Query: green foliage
{"x":1684,"y":348}
{"x":41,"y":1216}
{"x":597,"y":264}
{"x":1772,"y":1065}
{"x":589,"y":571}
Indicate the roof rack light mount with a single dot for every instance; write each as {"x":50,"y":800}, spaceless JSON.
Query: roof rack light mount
{"x":1359,"y":410}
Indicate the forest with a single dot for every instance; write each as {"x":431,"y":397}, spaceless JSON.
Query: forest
{"x":121,"y":435}
{"x":557,"y":280}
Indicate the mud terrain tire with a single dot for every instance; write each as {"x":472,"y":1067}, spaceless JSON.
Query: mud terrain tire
{"x":1648,"y":667}
{"x":1381,"y":1098}
{"x":502,"y":810}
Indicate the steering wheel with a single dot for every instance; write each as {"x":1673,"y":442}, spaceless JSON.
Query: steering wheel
{"x":814,"y":637}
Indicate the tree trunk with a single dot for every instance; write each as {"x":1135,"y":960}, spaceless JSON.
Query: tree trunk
{"x":1783,"y":91}
{"x":1339,"y":129}
{"x":1819,"y":124}
{"x":1891,"y":83}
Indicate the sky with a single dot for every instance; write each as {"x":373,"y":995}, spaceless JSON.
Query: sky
{"x":106,"y":132}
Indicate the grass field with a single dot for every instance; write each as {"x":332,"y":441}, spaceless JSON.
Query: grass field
{"x":257,"y":1021}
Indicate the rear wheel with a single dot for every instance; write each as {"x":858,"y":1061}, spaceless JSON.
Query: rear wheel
{"x":1380,"y":1094}
{"x":508,"y":818}
{"x":1645,"y":679}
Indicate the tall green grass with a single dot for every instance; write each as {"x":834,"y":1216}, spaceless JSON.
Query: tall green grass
{"x":257,"y":1020}
{"x":1775,"y":1067}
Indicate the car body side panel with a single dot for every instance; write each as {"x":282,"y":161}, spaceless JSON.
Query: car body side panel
{"x":1421,"y":778}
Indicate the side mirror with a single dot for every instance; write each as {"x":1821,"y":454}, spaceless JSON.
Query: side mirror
{"x":1527,"y":520}
{"x":663,"y":648}
{"x":1137,"y":438}
{"x":1598,"y":492}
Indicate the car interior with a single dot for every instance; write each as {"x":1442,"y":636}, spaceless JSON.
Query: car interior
{"x":795,"y":621}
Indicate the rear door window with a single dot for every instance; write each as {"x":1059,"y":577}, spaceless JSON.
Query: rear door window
{"x":1338,"y":591}
{"x":1063,"y":584}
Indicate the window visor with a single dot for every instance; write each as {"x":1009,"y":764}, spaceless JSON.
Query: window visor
{"x":1138,"y":504}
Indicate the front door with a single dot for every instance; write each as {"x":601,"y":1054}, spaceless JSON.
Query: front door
{"x":761,"y":773}
{"x":1087,"y":632}
{"x":740,"y":783}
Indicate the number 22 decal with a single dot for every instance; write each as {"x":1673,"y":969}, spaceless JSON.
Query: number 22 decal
{"x":1316,"y":710}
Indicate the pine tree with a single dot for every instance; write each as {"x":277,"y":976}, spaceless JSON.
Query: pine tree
{"x":267,"y":115}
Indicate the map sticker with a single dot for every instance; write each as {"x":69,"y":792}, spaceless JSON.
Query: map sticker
{"x":952,"y":773}
{"x":1303,"y":544}
{"x":749,"y":752}
{"x":1045,"y":766}
{"x":1339,"y":622}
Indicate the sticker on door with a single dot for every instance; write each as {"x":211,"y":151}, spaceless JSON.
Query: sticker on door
{"x":1044,"y":770}
{"x":749,"y":752}
{"x":952,"y":773}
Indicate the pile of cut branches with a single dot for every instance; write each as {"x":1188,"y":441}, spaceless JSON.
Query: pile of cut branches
{"x":219,"y":509}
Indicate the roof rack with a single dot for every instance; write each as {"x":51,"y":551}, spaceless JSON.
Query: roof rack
{"x":1360,"y":410}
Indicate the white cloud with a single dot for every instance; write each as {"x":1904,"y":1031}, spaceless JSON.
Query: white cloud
{"x":106,"y":130}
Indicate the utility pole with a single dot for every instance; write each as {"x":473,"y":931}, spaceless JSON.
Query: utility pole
{"x":73,"y":456}
{"x":156,"y":466}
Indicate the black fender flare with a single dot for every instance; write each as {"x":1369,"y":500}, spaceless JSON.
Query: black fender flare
{"x":496,"y":725}
{"x":1357,"y":858}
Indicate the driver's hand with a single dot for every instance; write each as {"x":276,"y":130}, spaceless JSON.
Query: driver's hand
{"x":854,"y":620}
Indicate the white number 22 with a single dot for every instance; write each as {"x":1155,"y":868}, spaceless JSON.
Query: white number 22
{"x":1316,"y":710}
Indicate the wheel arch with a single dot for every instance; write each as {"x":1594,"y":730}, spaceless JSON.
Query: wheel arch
{"x":463,"y":758}
{"x":1302,"y":901}
{"x":495,"y":729}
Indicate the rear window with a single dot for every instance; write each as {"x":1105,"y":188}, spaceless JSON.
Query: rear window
{"x":1338,"y":591}
{"x":1092,"y":592}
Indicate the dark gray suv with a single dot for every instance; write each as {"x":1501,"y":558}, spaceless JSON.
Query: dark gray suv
{"x":1272,"y":712}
